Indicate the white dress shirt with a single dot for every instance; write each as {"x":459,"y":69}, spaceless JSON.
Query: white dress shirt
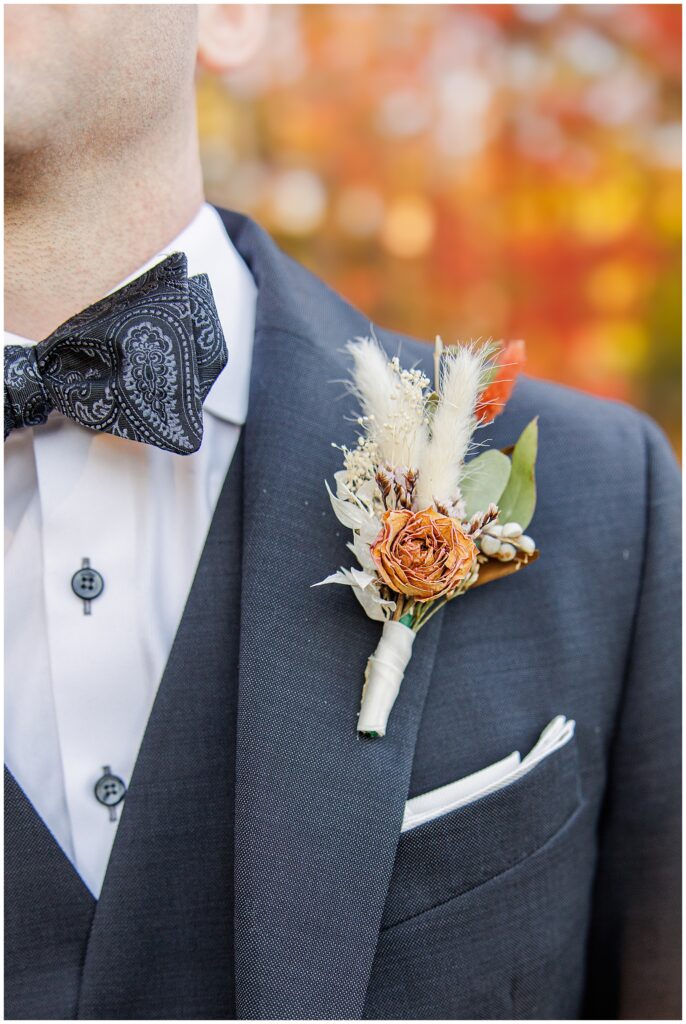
{"x":79,"y":688}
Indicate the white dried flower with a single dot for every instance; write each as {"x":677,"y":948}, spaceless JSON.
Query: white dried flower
{"x":511,"y":531}
{"x":490,"y":545}
{"x":365,"y":587}
{"x":527,"y":544}
{"x":471,"y":580}
{"x":360,"y":463}
{"x":506,"y":553}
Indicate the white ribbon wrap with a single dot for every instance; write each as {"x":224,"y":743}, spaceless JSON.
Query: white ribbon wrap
{"x":383,"y":676}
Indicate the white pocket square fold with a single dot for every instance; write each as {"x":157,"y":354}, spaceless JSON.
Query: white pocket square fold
{"x":456,"y":794}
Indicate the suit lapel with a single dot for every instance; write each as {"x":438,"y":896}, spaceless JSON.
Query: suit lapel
{"x":318,"y":811}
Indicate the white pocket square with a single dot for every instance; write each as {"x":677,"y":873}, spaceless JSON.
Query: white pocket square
{"x":456,"y":794}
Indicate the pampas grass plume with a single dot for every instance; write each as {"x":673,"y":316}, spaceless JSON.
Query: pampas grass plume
{"x":395,"y":410}
{"x":462,"y":378}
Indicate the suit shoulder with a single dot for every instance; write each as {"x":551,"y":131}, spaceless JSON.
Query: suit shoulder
{"x":585,"y":422}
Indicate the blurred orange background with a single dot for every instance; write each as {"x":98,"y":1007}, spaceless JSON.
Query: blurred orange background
{"x":475,"y":171}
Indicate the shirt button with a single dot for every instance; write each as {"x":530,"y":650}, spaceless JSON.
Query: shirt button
{"x":110,"y":790}
{"x":87,"y":583}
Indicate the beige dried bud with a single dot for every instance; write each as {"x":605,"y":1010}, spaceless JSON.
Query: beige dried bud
{"x":402,"y":499}
{"x":480,"y":522}
{"x":411,"y":484}
{"x":384,"y":481}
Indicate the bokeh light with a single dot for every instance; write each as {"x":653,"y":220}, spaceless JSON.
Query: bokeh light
{"x":505,"y":170}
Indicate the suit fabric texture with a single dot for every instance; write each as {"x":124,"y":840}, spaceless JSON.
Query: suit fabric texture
{"x":555,"y":897}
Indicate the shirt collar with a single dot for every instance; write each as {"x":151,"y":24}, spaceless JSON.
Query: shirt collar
{"x":209,"y":250}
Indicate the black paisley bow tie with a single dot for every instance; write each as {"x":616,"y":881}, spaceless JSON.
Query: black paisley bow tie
{"x":138,"y":364}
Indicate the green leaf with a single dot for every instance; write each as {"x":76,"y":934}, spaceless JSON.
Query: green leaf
{"x":484,"y":481}
{"x":518,"y":500}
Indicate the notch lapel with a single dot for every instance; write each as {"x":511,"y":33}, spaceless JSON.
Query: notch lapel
{"x":318,"y":810}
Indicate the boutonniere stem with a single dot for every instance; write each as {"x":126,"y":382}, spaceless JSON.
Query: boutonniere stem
{"x":383,"y":676}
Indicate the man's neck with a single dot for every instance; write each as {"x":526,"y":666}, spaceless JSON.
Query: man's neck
{"x":75,"y":233}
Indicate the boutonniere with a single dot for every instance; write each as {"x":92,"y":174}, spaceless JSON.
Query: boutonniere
{"x":427,"y":525}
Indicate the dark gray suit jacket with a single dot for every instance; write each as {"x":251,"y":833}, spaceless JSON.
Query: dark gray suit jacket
{"x":555,"y":897}
{"x":259,"y":864}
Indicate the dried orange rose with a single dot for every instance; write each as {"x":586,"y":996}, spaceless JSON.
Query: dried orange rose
{"x":493,"y":398}
{"x":424,"y":555}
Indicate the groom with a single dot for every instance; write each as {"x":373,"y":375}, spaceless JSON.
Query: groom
{"x":192,"y":827}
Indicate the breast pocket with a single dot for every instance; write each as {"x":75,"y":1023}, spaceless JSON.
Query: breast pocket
{"x":450,"y":855}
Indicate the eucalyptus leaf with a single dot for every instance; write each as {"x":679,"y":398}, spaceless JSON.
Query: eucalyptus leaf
{"x":518,"y":500}
{"x":484,"y":480}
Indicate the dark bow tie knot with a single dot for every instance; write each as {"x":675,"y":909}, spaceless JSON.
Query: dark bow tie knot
{"x":138,"y":364}
{"x":27,"y":402}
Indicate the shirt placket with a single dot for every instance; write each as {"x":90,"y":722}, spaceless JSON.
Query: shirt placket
{"x":88,"y":496}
